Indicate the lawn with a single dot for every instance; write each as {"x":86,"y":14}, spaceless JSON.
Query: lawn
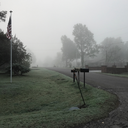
{"x":125,"y":74}
{"x":42,"y":99}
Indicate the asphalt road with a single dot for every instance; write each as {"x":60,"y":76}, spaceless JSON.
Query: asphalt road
{"x":117,"y":85}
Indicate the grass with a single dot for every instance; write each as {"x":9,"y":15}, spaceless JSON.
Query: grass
{"x":125,"y":74}
{"x":42,"y":99}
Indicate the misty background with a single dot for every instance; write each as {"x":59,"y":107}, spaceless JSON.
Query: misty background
{"x":40,"y":24}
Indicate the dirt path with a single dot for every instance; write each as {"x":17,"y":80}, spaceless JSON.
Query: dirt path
{"x":117,"y":118}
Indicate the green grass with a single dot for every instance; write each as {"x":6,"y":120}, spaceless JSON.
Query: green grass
{"x":42,"y":98}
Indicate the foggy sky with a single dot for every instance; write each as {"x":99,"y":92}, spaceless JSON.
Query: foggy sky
{"x":39,"y":24}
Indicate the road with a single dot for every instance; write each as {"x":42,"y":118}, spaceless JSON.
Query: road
{"x":117,"y":85}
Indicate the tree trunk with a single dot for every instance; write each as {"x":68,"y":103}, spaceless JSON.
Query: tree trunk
{"x":66,"y":63}
{"x":82,"y":58}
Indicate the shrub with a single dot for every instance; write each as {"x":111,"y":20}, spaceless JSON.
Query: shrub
{"x":18,"y":69}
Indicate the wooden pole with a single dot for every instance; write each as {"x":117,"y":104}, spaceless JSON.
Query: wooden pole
{"x":78,"y":82}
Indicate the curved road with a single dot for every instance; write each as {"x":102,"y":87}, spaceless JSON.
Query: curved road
{"x":118,"y":85}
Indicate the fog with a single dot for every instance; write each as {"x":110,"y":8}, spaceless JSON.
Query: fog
{"x":39,"y":24}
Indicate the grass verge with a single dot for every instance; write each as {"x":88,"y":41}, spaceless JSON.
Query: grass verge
{"x":42,"y":98}
{"x":125,"y":74}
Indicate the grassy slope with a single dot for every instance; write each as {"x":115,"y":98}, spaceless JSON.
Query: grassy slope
{"x":42,"y":99}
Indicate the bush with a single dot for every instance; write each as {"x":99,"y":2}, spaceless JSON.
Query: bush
{"x":18,"y":69}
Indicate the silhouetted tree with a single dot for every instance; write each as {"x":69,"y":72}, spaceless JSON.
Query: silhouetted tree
{"x":69,"y":50}
{"x":4,"y":49}
{"x":19,"y":54}
{"x":84,"y":41}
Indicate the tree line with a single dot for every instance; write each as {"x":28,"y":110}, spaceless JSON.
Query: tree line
{"x":21,"y":60}
{"x":84,"y":45}
{"x":109,"y":51}
{"x":113,"y":51}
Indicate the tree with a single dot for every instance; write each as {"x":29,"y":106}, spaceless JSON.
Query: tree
{"x":84,"y":41}
{"x":112,"y":50}
{"x":4,"y":49}
{"x":58,"y":60}
{"x":32,"y":56}
{"x":3,"y":15}
{"x":69,"y":50}
{"x":17,"y":69}
{"x":125,"y":49}
{"x":20,"y":56}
